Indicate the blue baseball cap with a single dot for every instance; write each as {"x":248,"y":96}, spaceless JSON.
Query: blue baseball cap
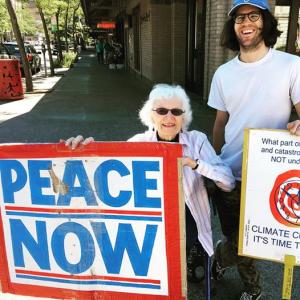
{"x":262,"y":4}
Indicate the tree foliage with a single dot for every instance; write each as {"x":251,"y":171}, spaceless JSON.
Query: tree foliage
{"x":27,"y":23}
{"x":18,"y":35}
{"x":5,"y":24}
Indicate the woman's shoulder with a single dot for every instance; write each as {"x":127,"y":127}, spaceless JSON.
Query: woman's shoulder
{"x":194,"y":135}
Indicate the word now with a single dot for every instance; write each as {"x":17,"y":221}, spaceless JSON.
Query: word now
{"x":14,"y":177}
{"x":112,"y":256}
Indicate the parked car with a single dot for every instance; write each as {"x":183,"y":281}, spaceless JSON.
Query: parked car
{"x":4,"y":52}
{"x":64,"y":46}
{"x":38,"y":48}
{"x":54,"y":50}
{"x":32,"y":56}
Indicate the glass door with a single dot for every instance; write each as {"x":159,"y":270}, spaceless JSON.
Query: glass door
{"x":288,"y":16}
{"x":195,"y":45}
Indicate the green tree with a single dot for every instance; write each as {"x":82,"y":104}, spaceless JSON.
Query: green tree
{"x":18,"y":36}
{"x":67,"y":16}
{"x":26,"y":21}
{"x":75,"y":16}
{"x":5,"y":25}
{"x":46,"y":9}
{"x":66,"y":19}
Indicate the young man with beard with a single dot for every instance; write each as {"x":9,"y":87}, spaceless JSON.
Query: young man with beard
{"x":256,"y":89}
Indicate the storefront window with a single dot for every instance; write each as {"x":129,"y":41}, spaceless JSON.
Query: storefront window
{"x":282,"y":14}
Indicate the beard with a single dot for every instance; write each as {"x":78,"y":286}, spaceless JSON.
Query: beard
{"x":248,"y":46}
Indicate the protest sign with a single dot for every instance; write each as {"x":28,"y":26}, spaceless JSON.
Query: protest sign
{"x":270,"y":202}
{"x":104,"y":221}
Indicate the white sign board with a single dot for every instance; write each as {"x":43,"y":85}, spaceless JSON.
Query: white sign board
{"x":270,"y":204}
{"x":101,"y":222}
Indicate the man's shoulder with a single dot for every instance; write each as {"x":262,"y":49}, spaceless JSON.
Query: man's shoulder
{"x":227,"y":65}
{"x":288,"y":57}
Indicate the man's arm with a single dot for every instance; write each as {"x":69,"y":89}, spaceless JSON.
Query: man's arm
{"x":219,"y":130}
{"x":294,"y":127}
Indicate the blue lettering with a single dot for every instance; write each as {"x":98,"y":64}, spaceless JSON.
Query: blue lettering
{"x":86,"y":245}
{"x":141,"y":184}
{"x":9,"y":187}
{"x":37,"y":183}
{"x":101,"y":183}
{"x":22,"y":237}
{"x":125,"y":239}
{"x":75,"y":169}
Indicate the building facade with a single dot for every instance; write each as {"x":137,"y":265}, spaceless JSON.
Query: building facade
{"x":177,"y":41}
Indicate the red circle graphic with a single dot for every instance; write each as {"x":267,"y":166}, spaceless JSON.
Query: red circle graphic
{"x":285,"y":198}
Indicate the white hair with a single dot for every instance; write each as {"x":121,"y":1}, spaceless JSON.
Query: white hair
{"x":166,"y":92}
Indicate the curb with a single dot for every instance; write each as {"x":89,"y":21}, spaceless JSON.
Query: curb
{"x":40,"y":91}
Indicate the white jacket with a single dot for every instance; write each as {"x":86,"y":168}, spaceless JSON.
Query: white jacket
{"x":196,"y":146}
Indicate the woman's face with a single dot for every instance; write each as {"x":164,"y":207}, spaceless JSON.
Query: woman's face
{"x":169,"y":125}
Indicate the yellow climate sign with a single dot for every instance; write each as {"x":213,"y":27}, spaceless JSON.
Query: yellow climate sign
{"x":270,"y":205}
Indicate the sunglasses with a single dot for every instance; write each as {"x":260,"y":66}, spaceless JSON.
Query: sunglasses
{"x":164,"y":111}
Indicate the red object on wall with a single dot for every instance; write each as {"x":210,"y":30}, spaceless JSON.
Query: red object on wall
{"x":10,"y":80}
{"x":106,"y":25}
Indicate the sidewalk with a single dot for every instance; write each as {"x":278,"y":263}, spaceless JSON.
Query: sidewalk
{"x":90,"y":99}
{"x":85,"y":100}
{"x":41,"y":84}
{"x":94,"y":101}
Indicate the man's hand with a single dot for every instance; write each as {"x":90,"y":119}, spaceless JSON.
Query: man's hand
{"x":294,"y":127}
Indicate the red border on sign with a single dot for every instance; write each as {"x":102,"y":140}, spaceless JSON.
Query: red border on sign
{"x":169,"y":152}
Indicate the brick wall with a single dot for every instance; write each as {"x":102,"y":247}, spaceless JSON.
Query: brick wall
{"x":161,"y":45}
{"x":163,"y":39}
{"x":215,"y":55}
{"x":178,"y":42}
{"x":146,"y":40}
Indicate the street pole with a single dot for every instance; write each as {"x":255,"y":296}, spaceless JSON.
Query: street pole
{"x":44,"y":56}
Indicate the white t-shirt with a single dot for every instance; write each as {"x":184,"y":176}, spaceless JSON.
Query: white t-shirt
{"x":256,"y":95}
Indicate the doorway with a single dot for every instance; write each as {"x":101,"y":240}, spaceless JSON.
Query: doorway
{"x":136,"y":37}
{"x":288,"y":16}
{"x":196,"y":10}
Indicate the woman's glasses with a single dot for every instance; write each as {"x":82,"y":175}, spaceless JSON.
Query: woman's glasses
{"x":253,"y":16}
{"x":164,"y":111}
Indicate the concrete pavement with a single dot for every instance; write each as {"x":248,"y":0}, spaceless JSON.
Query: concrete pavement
{"x":89,"y":99}
{"x":94,"y":101}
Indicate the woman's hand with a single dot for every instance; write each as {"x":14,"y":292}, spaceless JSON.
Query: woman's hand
{"x":73,"y":143}
{"x":187,"y":161}
{"x":294,"y":127}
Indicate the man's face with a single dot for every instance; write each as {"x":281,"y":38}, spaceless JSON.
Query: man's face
{"x":248,"y":33}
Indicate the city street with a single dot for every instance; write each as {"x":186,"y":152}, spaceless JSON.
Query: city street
{"x":92,"y":100}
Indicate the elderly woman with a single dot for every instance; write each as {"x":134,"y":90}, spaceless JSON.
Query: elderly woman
{"x":167,"y":114}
